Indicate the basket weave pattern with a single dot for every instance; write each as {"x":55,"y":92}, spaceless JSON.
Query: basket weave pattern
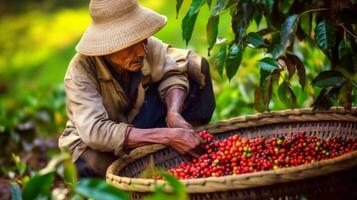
{"x":322,"y":179}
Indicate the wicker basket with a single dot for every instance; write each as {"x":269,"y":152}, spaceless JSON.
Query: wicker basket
{"x":329,"y":179}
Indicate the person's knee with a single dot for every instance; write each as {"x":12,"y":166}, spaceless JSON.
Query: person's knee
{"x":95,"y":163}
{"x":201,"y":101}
{"x":206,"y":71}
{"x":205,"y":67}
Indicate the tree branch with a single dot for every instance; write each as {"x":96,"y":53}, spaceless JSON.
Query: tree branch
{"x":348,"y":31}
{"x":314,"y":10}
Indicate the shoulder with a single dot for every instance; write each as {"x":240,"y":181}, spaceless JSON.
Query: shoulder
{"x":80,"y":65}
{"x":156,"y":49}
{"x":153,"y":41}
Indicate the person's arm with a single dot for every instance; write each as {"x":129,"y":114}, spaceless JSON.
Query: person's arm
{"x":98,"y":132}
{"x":174,"y":101}
{"x":169,"y":66}
{"x":184,"y":141}
{"x":86,"y":110}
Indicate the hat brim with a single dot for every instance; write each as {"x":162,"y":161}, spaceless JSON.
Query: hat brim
{"x":118,"y":34}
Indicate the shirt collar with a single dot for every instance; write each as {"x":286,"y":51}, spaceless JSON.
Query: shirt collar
{"x":103,"y":72}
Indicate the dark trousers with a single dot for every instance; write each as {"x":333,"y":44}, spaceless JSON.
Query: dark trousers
{"x":198,"y":106}
{"x":197,"y":109}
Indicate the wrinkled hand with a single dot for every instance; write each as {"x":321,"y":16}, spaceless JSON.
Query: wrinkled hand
{"x":175,"y":120}
{"x":185,"y":141}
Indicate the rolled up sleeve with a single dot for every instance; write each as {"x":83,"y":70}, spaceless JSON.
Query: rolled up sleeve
{"x":175,"y":72}
{"x":92,"y":121}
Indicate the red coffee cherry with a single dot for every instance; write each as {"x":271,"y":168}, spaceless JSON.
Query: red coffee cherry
{"x":238,"y":155}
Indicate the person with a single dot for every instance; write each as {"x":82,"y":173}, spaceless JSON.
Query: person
{"x":126,"y":88}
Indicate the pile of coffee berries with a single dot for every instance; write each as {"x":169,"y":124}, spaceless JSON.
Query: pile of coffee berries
{"x":238,"y":155}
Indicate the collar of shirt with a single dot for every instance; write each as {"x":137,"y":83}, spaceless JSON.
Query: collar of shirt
{"x":130,"y":88}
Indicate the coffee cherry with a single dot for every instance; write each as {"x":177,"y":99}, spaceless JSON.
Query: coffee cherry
{"x":238,"y":155}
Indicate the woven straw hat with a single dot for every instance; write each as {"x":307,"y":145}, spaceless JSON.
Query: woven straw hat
{"x":117,"y":24}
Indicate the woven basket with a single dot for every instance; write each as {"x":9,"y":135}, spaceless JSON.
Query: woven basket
{"x":328,"y":179}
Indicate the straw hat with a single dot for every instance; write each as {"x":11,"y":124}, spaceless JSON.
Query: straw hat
{"x":117,"y":24}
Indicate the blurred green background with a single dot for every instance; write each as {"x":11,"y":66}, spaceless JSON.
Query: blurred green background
{"x":37,"y":42}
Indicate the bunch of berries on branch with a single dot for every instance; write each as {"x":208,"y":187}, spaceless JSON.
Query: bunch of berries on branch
{"x":239,"y":155}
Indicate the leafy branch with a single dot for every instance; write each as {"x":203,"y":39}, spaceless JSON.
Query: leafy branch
{"x":285,"y":23}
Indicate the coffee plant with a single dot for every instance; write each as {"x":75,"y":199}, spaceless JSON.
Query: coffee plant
{"x":329,"y":25}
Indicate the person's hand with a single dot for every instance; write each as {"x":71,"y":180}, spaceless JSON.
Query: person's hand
{"x":175,"y":120}
{"x":185,"y":141}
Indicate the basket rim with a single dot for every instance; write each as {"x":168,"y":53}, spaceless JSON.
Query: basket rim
{"x":249,"y":180}
{"x":240,"y":181}
{"x":283,"y":116}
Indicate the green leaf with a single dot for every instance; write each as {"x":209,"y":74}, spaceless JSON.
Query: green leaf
{"x":151,"y":170}
{"x":221,"y":59}
{"x":346,"y":56}
{"x":178,"y":7}
{"x":219,"y":7}
{"x":266,"y":91}
{"x":188,"y":24}
{"x":257,"y":15}
{"x":209,"y":3}
{"x":160,"y":196}
{"x":233,"y":60}
{"x":348,"y":75}
{"x":38,"y":187}
{"x":330,"y":78}
{"x":20,"y":165}
{"x":263,"y":94}
{"x":258,"y":100}
{"x":212,"y":31}
{"x":268,"y":4}
{"x":306,"y":23}
{"x":241,"y":19}
{"x":55,"y":162}
{"x":290,"y":65}
{"x":325,"y":35}
{"x":300,"y":71}
{"x":267,"y":66}
{"x":345,"y":50}
{"x":299,"y":65}
{"x":345,"y":95}
{"x":178,"y":188}
{"x":285,"y":5}
{"x":76,"y":197}
{"x":287,"y":32}
{"x":287,"y":95}
{"x":276,"y":50}
{"x":325,"y":98}
{"x":255,"y":40}
{"x":195,"y":7}
{"x":15,"y":191}
{"x":69,"y":172}
{"x":98,"y":189}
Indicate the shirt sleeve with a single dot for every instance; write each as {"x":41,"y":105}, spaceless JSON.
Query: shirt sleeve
{"x":175,"y":72}
{"x":84,"y":103}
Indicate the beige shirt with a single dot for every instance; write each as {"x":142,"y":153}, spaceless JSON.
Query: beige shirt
{"x":97,"y":106}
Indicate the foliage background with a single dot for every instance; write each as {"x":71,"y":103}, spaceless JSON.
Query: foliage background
{"x":37,"y":42}
{"x":37,"y":39}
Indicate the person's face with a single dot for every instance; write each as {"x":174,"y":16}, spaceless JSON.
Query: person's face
{"x":131,"y":58}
